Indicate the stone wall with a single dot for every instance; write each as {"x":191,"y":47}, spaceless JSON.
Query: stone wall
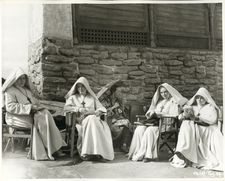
{"x":54,"y":67}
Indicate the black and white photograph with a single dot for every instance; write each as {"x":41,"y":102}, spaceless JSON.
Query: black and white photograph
{"x":112,"y":89}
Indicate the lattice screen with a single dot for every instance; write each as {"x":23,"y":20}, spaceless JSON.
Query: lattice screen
{"x":101,"y":36}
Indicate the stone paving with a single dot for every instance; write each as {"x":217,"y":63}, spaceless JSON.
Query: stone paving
{"x":17,"y":166}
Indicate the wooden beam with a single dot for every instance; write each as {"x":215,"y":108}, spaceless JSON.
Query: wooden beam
{"x":212,"y":40}
{"x":151,"y":25}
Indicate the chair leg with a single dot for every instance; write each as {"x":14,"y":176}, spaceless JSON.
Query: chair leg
{"x":31,"y":144}
{"x":13,"y":145}
{"x":72,"y":141}
{"x":7,"y":144}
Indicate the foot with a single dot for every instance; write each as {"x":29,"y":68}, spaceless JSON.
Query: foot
{"x":145,"y":160}
{"x":86,"y":158}
{"x":77,"y":160}
{"x":177,"y":162}
{"x":58,"y":154}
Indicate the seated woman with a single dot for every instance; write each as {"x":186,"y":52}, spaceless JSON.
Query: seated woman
{"x":200,"y":141}
{"x":94,"y":136}
{"x":23,"y":110}
{"x":166,"y":101}
{"x":120,"y":126}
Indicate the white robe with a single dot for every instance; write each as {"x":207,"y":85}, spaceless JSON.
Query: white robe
{"x":144,"y":142}
{"x":94,"y":136}
{"x":202,"y":145}
{"x":46,"y":136}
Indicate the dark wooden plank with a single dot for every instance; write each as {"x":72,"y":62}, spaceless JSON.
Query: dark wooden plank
{"x":113,"y":24}
{"x":124,"y":7}
{"x":188,"y":7}
{"x":111,"y":14}
{"x":218,"y":21}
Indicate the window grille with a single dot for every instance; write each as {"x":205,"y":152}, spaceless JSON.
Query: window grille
{"x":101,"y":36}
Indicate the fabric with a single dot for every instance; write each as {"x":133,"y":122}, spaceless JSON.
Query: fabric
{"x":144,"y":142}
{"x":107,"y":87}
{"x":202,"y":145}
{"x":94,"y":136}
{"x":46,"y":137}
{"x":116,"y":117}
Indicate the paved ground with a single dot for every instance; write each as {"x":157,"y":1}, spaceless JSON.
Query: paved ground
{"x":17,"y":166}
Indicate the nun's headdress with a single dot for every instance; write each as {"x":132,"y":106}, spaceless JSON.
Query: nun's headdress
{"x":206,"y":95}
{"x":179,"y":99}
{"x":13,"y":77}
{"x":84,"y":81}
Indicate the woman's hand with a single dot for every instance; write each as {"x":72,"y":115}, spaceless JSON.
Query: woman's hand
{"x":35,"y":107}
{"x":98,"y":113}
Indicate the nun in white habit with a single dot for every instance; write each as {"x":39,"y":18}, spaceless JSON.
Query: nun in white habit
{"x":94,"y":136}
{"x":166,"y":101}
{"x":200,"y":145}
{"x":23,"y":110}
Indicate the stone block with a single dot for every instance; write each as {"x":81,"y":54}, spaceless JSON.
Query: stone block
{"x":103,"y":69}
{"x":50,"y":50}
{"x":85,"y":60}
{"x":201,"y":70}
{"x":110,"y":62}
{"x":150,"y":81}
{"x":210,"y":63}
{"x":135,"y":90}
{"x":88,"y":52}
{"x":132,"y":62}
{"x":161,"y":56}
{"x":175,"y":72}
{"x":124,"y":69}
{"x":119,"y":56}
{"x":69,"y":52}
{"x":51,"y":67}
{"x":190,"y":63}
{"x":121,"y":76}
{"x":149,"y":68}
{"x":191,"y":81}
{"x":102,"y":55}
{"x":188,"y":70}
{"x":54,"y":80}
{"x":134,"y":55}
{"x":173,"y":62}
{"x":57,"y":59}
{"x":136,"y":73}
{"x":136,"y":77}
{"x":198,"y":57}
{"x":170,"y":81}
{"x":147,"y":55}
{"x":87,"y":72}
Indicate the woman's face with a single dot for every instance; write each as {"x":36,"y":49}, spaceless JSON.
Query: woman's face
{"x":200,"y":100}
{"x":81,"y":89}
{"x":164,"y":93}
{"x":21,"y":81}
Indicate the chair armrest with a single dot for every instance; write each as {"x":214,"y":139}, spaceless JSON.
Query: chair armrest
{"x":140,"y":116}
{"x":70,"y":117}
{"x":169,"y":116}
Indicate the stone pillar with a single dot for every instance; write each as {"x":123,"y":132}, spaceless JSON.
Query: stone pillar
{"x":52,"y":74}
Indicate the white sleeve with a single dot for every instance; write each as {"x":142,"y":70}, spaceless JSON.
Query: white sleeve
{"x":13,"y":107}
{"x":208,"y":114}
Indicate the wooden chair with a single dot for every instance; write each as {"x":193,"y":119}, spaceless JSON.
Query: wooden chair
{"x":168,"y":132}
{"x":71,"y":121}
{"x":14,"y":132}
{"x":71,"y":134}
{"x":220,"y":119}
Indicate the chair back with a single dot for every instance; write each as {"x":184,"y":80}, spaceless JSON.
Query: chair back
{"x":220,"y":119}
{"x":135,"y":108}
